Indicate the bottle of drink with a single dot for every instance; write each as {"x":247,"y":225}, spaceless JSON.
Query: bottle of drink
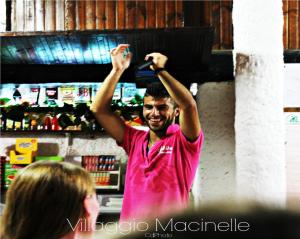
{"x":54,"y":123}
{"x":9,"y":124}
{"x":33,"y":124}
{"x":26,"y":122}
{"x":47,"y":123}
{"x":3,"y":122}
{"x":17,"y":125}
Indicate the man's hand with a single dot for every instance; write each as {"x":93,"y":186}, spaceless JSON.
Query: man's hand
{"x":120,"y":61}
{"x":159,"y":60}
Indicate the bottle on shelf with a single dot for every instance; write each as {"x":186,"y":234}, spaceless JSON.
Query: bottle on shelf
{"x":17,"y":125}
{"x":47,"y":122}
{"x":33,"y":124}
{"x":54,"y":123}
{"x":26,"y":122}
{"x":10,"y":124}
{"x":3,"y":122}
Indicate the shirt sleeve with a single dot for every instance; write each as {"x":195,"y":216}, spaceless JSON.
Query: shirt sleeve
{"x":130,"y":137}
{"x":192,"y":156}
{"x":195,"y":145}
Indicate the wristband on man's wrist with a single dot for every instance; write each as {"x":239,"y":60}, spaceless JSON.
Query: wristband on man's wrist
{"x":158,"y":70}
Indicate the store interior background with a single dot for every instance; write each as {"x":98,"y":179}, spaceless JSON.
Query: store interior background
{"x":215,"y":179}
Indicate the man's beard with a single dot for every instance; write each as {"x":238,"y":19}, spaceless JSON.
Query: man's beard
{"x":162,"y":128}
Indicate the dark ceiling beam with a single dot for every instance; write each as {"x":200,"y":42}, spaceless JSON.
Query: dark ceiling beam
{"x":220,"y":69}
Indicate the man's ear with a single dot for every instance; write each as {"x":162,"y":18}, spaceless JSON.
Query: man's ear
{"x":177,"y":111}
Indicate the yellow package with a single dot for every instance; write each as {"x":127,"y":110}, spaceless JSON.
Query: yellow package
{"x":20,"y":158}
{"x":26,"y":145}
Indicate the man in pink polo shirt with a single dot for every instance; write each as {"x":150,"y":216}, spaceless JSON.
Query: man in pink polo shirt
{"x":162,"y":162}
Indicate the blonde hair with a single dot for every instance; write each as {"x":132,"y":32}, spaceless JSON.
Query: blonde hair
{"x":44,"y":199}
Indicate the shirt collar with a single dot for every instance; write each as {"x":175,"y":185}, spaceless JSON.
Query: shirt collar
{"x":172,"y":129}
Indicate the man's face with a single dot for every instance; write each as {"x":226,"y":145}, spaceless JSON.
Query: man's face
{"x":159,"y":113}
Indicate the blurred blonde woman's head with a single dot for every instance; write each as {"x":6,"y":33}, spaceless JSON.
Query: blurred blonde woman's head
{"x":46,"y":200}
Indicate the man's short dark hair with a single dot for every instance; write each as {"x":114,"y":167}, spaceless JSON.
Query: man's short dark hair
{"x":157,"y":90}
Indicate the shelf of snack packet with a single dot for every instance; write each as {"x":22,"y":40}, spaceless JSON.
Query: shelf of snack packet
{"x":65,"y":107}
{"x":22,"y":118}
{"x":105,"y":170}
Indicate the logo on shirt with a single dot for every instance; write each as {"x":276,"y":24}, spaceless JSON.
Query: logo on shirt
{"x":165,"y":149}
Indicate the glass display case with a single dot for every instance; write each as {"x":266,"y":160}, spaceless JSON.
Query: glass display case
{"x":104,"y":169}
{"x":63,"y":107}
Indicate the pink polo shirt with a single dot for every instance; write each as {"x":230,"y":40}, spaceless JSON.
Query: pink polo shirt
{"x":159,"y":181}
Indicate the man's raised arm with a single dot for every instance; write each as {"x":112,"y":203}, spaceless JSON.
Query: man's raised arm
{"x":101,"y":106}
{"x":188,"y":117}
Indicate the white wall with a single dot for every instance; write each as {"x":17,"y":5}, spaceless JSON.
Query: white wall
{"x":292,"y":155}
{"x":215,"y":179}
{"x":292,"y":85}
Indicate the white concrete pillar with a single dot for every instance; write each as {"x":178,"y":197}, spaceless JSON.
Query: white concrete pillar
{"x":2,"y":16}
{"x":259,"y":126}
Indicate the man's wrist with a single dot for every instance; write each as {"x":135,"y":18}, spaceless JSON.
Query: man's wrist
{"x":159,"y":70}
{"x":117,"y":71}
